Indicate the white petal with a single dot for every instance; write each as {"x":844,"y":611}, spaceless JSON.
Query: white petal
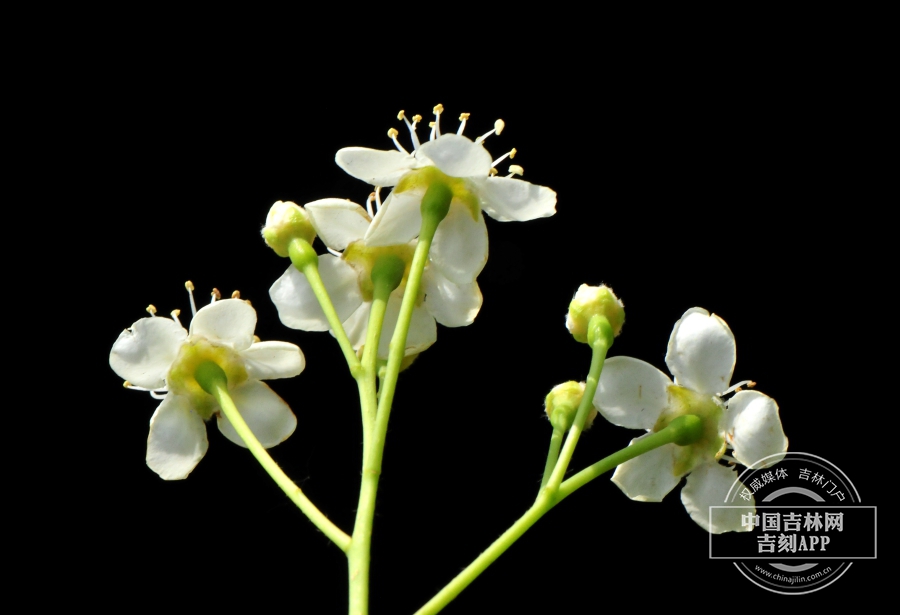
{"x":509,"y":199}
{"x":338,"y":221}
{"x":753,"y":427}
{"x":268,"y":416}
{"x":373,"y":166}
{"x":268,"y":360}
{"x":230,"y":320}
{"x":452,"y":305}
{"x":297,"y":305}
{"x":143,"y":354}
{"x":701,"y":352}
{"x":398,"y":220}
{"x":422,"y":328}
{"x":177,"y":440}
{"x":356,"y":325}
{"x":648,"y":477}
{"x":709,"y":485}
{"x":631,"y":393}
{"x":460,"y":248}
{"x":457,"y":156}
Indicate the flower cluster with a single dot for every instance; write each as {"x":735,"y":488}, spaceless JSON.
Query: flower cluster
{"x":634,"y":394}
{"x":158,"y":355}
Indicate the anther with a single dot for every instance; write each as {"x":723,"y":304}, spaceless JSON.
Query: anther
{"x":190,"y":288}
{"x":189,"y":285}
{"x":499,"y":125}
{"x":152,"y":309}
{"x":436,"y":125}
{"x":126,"y":384}
{"x":392,"y":133}
{"x":401,"y":115}
{"x":438,"y":109}
{"x":247,"y":301}
{"x":515,"y":169}
{"x":236,"y":294}
{"x":494,"y":171}
{"x":175,"y":314}
{"x":216,"y":295}
{"x":256,"y":339}
{"x":416,"y":119}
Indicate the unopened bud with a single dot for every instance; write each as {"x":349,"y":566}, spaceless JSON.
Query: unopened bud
{"x":591,"y":300}
{"x":561,"y":405}
{"x":287,"y":221}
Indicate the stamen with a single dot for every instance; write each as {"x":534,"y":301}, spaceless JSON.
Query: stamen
{"x":369,"y":204}
{"x":438,"y":109}
{"x":175,"y":314}
{"x":236,"y":294}
{"x":411,"y":127}
{"x":737,"y":387}
{"x":335,"y":252}
{"x":156,"y":395}
{"x":216,"y":295}
{"x":256,"y":339}
{"x":190,"y":288}
{"x":510,"y":154}
{"x":431,"y":136}
{"x":377,"y":198}
{"x":151,"y":309}
{"x":126,"y":384}
{"x":494,"y":171}
{"x":392,"y":133}
{"x":247,"y":301}
{"x":463,"y":117}
{"x":515,"y":169}
{"x":499,"y":125}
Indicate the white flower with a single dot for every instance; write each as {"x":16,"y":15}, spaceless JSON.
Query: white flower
{"x":460,"y":245}
{"x":634,"y":394}
{"x":342,"y":226}
{"x":158,"y":355}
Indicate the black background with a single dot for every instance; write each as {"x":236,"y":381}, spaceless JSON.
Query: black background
{"x":730,"y":186}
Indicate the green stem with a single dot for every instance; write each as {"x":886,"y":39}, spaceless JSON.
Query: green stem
{"x":304,"y":259}
{"x":213,"y":380}
{"x":437,"y":197}
{"x":601,"y":337}
{"x":553,"y":454}
{"x":682,"y":430}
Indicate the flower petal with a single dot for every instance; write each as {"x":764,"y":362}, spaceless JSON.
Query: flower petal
{"x":457,"y":156}
{"x":338,"y":221}
{"x":297,"y":305}
{"x":452,"y":305}
{"x":143,"y":354}
{"x":397,"y":221}
{"x":460,"y":248}
{"x":374,"y":166}
{"x":268,"y":360}
{"x":508,"y":199}
{"x":230,"y":320}
{"x":709,"y":485}
{"x":356,"y":325}
{"x":701,"y":352}
{"x":631,"y":393}
{"x":177,"y":440}
{"x":753,"y":427}
{"x":422,"y":328}
{"x":268,"y":416}
{"x":648,"y":477}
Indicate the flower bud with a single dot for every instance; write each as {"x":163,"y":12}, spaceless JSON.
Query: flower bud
{"x":561,"y":405}
{"x":287,"y":221}
{"x":591,"y":300}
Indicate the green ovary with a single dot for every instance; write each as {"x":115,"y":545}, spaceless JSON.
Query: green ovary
{"x":711,"y":445}
{"x":194,"y":352}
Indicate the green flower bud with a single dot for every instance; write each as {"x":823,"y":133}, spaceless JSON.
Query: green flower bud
{"x":561,"y":405}
{"x":591,"y":300}
{"x":287,"y":221}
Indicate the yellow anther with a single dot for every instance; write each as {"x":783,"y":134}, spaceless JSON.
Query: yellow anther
{"x":152,"y":309}
{"x":512,"y":153}
{"x":499,"y":125}
{"x":516,"y":169}
{"x":175,"y":313}
{"x":431,"y":124}
{"x":464,"y":116}
{"x":236,"y":294}
{"x":256,"y":337}
{"x":751,"y":384}
{"x":417,"y":118}
{"x":189,"y":285}
{"x":400,"y":115}
{"x":126,"y":384}
{"x":438,"y":109}
{"x":494,"y":171}
{"x":215,"y":293}
{"x":392,"y":133}
{"x":247,"y":301}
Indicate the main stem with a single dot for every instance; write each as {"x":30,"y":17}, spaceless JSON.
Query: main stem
{"x":437,"y":197}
